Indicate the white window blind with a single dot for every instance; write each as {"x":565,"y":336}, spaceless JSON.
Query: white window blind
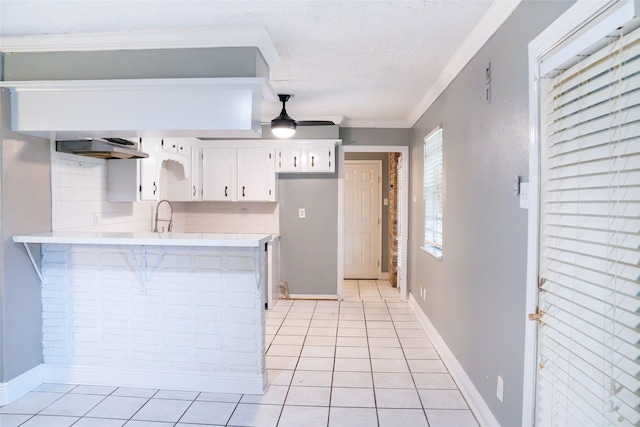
{"x":589,"y":343}
{"x":433,"y":192}
{"x":400,"y":204}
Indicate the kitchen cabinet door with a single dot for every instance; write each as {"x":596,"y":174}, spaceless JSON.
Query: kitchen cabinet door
{"x":219,"y":173}
{"x":135,"y":180}
{"x":318,"y":159}
{"x":288,"y":159}
{"x":256,"y":175}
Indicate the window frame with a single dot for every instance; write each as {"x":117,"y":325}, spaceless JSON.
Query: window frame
{"x":432,"y":194}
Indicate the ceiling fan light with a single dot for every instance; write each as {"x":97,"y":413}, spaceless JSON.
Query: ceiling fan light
{"x":283,"y":127}
{"x":281,"y":132}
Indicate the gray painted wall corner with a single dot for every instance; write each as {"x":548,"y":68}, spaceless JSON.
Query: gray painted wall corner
{"x":476,"y":294}
{"x":25,"y":207}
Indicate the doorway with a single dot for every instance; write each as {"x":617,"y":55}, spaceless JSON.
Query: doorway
{"x":363,"y":219}
{"x":400,"y":222}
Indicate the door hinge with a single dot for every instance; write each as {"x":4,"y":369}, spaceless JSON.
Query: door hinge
{"x":541,"y":282}
{"x":537,"y":316}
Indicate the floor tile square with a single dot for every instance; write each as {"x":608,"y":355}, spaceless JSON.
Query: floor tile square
{"x":427,"y":366}
{"x":402,"y":417}
{"x":352,"y":365}
{"x":292,"y":330}
{"x":315,"y":364}
{"x":117,"y":407}
{"x":421,"y":353}
{"x":416,"y":343}
{"x":280,"y":376}
{"x":176,"y":394}
{"x":318,"y":351}
{"x":307,"y":416}
{"x":451,"y":418}
{"x":386,"y":353}
{"x":288,"y":340}
{"x":352,"y":379}
{"x":93,"y":389}
{"x":322,"y":332}
{"x":249,"y":415}
{"x":274,"y":395}
{"x":134,"y":392}
{"x":137,"y":423}
{"x":97,"y":422}
{"x":73,"y":405}
{"x":308,"y":396}
{"x":381,"y":333}
{"x":31,"y":403}
{"x":434,"y":381}
{"x":384,"y":342}
{"x":55,"y":388}
{"x":208,"y":413}
{"x":352,"y":332}
{"x":411,"y":333}
{"x":13,"y":420}
{"x":352,"y":352}
{"x":319,"y":323}
{"x":351,"y":417}
{"x":312,"y":378}
{"x":49,"y":421}
{"x":352,"y":342}
{"x":389,"y":365}
{"x":284,"y":350}
{"x":281,"y":362}
{"x":392,"y":380}
{"x":353,"y":397}
{"x":165,"y":410}
{"x":320,"y":341}
{"x":442,"y":399}
{"x":220,"y":397}
{"x":397,"y":398}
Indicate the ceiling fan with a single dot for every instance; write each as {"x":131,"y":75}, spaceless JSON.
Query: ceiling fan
{"x":284,"y":126}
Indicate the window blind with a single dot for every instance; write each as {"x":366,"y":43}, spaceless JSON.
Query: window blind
{"x":589,"y":343}
{"x":400,"y":204}
{"x":433,"y":190}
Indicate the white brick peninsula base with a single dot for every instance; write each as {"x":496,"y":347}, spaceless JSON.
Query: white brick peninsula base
{"x":155,"y":313}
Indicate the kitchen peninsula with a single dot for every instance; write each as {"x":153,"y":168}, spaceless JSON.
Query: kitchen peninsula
{"x":153,"y":310}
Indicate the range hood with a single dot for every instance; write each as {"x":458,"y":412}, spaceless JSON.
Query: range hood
{"x":108,"y":148}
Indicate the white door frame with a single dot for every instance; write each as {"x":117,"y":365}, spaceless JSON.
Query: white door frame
{"x":378,"y":202}
{"x":572,"y":21}
{"x":404,"y":152}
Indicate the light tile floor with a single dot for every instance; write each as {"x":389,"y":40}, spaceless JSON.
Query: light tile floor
{"x":362,"y":362}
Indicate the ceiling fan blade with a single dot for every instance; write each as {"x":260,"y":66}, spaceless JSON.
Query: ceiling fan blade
{"x":315,"y":123}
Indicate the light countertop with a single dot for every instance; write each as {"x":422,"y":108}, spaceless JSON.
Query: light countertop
{"x":147,"y":239}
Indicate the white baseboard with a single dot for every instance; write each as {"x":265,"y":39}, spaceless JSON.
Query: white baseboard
{"x":312,"y":296}
{"x":21,"y":385}
{"x":476,"y":403}
{"x":187,"y":381}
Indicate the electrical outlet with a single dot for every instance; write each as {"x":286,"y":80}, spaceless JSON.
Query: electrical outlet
{"x":96,"y":219}
{"x":500,"y":390}
{"x":302,"y":213}
{"x":244,"y":212}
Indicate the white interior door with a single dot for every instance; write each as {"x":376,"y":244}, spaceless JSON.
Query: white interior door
{"x":362,"y":236}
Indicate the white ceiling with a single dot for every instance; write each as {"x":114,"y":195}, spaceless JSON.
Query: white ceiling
{"x":373,"y":63}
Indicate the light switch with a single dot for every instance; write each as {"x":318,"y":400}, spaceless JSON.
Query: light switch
{"x":385,"y":202}
{"x":302,"y":213}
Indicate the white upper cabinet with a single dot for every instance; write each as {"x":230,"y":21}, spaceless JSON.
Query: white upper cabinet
{"x":238,"y":174}
{"x":306,"y":156}
{"x":135,"y":180}
{"x":218,"y":172}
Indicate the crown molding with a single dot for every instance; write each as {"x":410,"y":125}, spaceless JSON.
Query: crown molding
{"x":495,"y":16}
{"x":153,"y":39}
{"x":381,"y":124}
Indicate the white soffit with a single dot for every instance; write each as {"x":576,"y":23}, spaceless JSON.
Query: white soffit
{"x":150,"y":39}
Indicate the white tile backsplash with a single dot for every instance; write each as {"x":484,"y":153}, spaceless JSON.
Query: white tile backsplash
{"x":79,"y":202}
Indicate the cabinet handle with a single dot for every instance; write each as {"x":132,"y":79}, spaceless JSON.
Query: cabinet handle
{"x":225,"y":190}
{"x":243,"y":191}
{"x":313,"y":163}
{"x":155,"y":188}
{"x":295,"y":161}
{"x":194,"y":190}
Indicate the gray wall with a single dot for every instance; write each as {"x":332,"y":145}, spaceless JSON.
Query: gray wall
{"x":476,"y":294}
{"x":25,"y":207}
{"x":309,"y":247}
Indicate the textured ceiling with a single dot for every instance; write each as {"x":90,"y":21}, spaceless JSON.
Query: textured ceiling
{"x":371,"y":62}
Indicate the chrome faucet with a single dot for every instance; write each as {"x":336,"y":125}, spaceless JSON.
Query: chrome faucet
{"x":170,"y":220}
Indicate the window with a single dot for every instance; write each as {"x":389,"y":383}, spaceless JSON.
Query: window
{"x":433,"y":193}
